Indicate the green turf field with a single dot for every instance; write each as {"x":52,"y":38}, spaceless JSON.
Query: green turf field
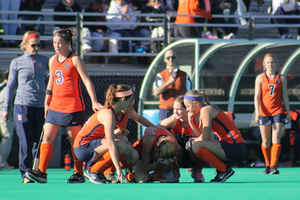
{"x":246,"y":183}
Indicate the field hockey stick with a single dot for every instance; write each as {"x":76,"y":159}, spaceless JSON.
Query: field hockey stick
{"x":37,"y":155}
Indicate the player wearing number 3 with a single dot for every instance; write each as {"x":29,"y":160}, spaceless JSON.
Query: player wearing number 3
{"x":271,"y":102}
{"x":64,"y":103}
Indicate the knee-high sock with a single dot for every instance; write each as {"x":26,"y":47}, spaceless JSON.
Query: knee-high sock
{"x":104,"y":163}
{"x":123,"y":164}
{"x":45,"y":156}
{"x":199,"y":164}
{"x":210,"y":158}
{"x":275,"y":152}
{"x":267,"y":154}
{"x":78,"y":165}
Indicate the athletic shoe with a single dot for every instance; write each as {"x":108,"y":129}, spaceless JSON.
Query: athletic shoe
{"x":76,"y":178}
{"x":221,"y":177}
{"x":210,"y":36}
{"x":197,"y":176}
{"x":27,"y":180}
{"x":111,"y":177}
{"x":267,"y":170}
{"x":274,"y":170}
{"x":36,"y":175}
{"x":93,"y":177}
{"x":229,"y":36}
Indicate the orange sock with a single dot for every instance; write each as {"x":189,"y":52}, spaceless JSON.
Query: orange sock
{"x":275,"y":152}
{"x":45,"y":156}
{"x":210,"y":158}
{"x":78,"y":165}
{"x":111,"y":169}
{"x":267,"y":154}
{"x":130,"y":176}
{"x":199,"y":164}
{"x":104,"y":163}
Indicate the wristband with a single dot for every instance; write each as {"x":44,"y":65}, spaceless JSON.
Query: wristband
{"x":49,"y":92}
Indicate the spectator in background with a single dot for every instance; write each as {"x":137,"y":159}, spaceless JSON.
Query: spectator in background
{"x":169,"y":84}
{"x":27,"y":77}
{"x":71,"y":6}
{"x":96,"y":6}
{"x":9,"y":29}
{"x":32,"y":5}
{"x":121,"y":7}
{"x":188,"y":7}
{"x":154,"y":7}
{"x":224,"y":7}
{"x":6,"y":127}
{"x":285,"y":7}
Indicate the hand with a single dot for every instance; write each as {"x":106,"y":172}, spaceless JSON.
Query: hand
{"x":257,"y":118}
{"x":171,"y":79}
{"x":5,"y":116}
{"x":151,"y":131}
{"x":121,"y":176}
{"x":97,"y":106}
{"x":125,"y":9}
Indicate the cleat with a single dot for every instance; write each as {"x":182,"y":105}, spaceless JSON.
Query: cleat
{"x":27,"y":180}
{"x":36,"y":175}
{"x":274,"y":170}
{"x":94,"y":177}
{"x":267,"y":170}
{"x":111,"y":177}
{"x":221,"y":177}
{"x":76,"y":178}
{"x":197,"y":176}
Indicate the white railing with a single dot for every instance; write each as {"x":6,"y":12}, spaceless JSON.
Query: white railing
{"x":166,"y":23}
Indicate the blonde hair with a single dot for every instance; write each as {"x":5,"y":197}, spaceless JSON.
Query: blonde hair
{"x":197,"y":93}
{"x":110,"y":99}
{"x":24,"y":39}
{"x":180,"y":99}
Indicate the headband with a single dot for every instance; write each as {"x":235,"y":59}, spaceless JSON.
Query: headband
{"x":32,"y":35}
{"x":193,"y":98}
{"x":123,"y":94}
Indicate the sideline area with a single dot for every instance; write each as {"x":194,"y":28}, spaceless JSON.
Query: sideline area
{"x":246,"y":183}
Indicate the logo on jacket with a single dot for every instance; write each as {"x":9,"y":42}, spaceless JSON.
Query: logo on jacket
{"x":40,"y":65}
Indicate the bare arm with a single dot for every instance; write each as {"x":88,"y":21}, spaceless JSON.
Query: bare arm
{"x":147,"y":166}
{"x":82,"y":70}
{"x":285,"y":97}
{"x":140,"y":119}
{"x":206,"y":116}
{"x":161,"y":89}
{"x":48,"y":97}
{"x":169,"y":122}
{"x":258,"y":81}
{"x":107,"y":119}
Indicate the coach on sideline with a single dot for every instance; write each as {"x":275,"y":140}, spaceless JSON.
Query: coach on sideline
{"x":169,"y":84}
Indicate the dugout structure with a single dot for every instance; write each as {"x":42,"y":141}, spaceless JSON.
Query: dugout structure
{"x":225,"y":70}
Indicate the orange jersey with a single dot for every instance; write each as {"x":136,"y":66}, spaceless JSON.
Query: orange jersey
{"x":138,"y":145}
{"x":180,"y":131}
{"x":93,"y":129}
{"x":189,"y":7}
{"x":225,"y":129}
{"x":67,"y":96}
{"x":271,"y":101}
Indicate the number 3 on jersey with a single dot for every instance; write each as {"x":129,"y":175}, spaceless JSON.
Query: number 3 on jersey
{"x":272,"y":87}
{"x":60,"y":77}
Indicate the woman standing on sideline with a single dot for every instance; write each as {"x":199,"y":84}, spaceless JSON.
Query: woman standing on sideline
{"x":230,"y":147}
{"x":27,"y":76}
{"x":64,"y":104}
{"x":271,"y":104}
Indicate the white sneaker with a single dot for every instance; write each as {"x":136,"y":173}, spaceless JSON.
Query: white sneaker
{"x":229,"y":36}
{"x":86,"y":48}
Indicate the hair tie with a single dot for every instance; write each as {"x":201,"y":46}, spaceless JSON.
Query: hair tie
{"x":32,"y":35}
{"x":193,"y":98}
{"x":123,"y":94}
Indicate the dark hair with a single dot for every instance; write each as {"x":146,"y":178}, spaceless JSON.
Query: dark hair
{"x":110,"y":98}
{"x":180,"y":100}
{"x":66,"y":34}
